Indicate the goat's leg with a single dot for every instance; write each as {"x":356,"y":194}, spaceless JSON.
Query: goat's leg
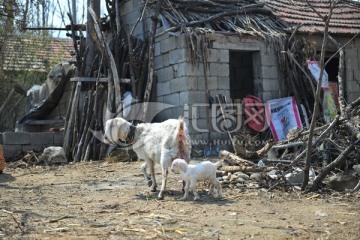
{"x":146,"y":176}
{"x":152,"y":182}
{"x":165,"y":172}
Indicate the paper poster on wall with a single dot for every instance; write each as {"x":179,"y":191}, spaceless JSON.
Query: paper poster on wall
{"x":282,"y":116}
{"x":314,"y":68}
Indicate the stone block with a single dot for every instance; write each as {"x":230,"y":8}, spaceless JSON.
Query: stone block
{"x":158,"y":62}
{"x":177,"y":56}
{"x":269,"y":58}
{"x":163,"y":88}
{"x":192,"y":97}
{"x":126,"y":7}
{"x":223,"y":83}
{"x":183,"y":84}
{"x":219,"y":69}
{"x":168,"y":44}
{"x":58,"y":138}
{"x":178,"y":111}
{"x":157,"y":49}
{"x":16,"y":138}
{"x":213,"y":55}
{"x":173,"y":99}
{"x":270,"y":72}
{"x":33,"y":148}
{"x":42,"y":138}
{"x":212,"y":83}
{"x":187,"y":69}
{"x":270,"y":85}
{"x":164,"y":74}
{"x":12,"y":152}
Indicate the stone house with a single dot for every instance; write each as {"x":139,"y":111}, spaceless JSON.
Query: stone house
{"x":235,"y":52}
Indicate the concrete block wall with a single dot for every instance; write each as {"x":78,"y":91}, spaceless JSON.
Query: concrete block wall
{"x":182,"y":84}
{"x":16,"y":144}
{"x":352,"y":70}
{"x":130,"y":12}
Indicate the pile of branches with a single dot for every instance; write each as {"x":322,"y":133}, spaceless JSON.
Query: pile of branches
{"x":121,"y":60}
{"x":335,"y":148}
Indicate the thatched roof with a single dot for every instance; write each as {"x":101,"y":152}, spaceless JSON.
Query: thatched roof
{"x":227,"y":16}
{"x":345,"y":18}
{"x":266,"y":18}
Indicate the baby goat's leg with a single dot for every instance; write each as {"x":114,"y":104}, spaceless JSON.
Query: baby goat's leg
{"x":193,"y":189}
{"x":211,"y":189}
{"x":217,"y":186}
{"x":186,"y":190}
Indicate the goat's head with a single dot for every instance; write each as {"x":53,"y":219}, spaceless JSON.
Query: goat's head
{"x":116,"y":129}
{"x":178,"y":166}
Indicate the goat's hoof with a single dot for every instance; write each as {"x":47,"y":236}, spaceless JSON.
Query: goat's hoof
{"x":149,"y":183}
{"x":161,"y":196}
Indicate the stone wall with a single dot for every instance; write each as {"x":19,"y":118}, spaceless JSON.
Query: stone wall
{"x":16,"y":144}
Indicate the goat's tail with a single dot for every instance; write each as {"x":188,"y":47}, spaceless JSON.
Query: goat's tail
{"x":183,"y":140}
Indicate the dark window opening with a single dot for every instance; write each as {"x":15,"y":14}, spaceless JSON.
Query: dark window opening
{"x":332,"y":69}
{"x":241,"y":74}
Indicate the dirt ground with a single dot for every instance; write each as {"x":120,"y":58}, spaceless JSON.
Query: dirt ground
{"x":110,"y":200}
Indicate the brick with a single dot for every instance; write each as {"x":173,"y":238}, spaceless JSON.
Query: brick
{"x":16,"y":138}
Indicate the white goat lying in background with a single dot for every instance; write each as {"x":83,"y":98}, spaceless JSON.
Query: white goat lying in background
{"x":190,"y":173}
{"x":153,"y":142}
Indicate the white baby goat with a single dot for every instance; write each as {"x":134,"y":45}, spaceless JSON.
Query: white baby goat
{"x":190,"y":173}
{"x":153,"y":142}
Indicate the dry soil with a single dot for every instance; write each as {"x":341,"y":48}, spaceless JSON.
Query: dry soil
{"x":110,"y":200}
